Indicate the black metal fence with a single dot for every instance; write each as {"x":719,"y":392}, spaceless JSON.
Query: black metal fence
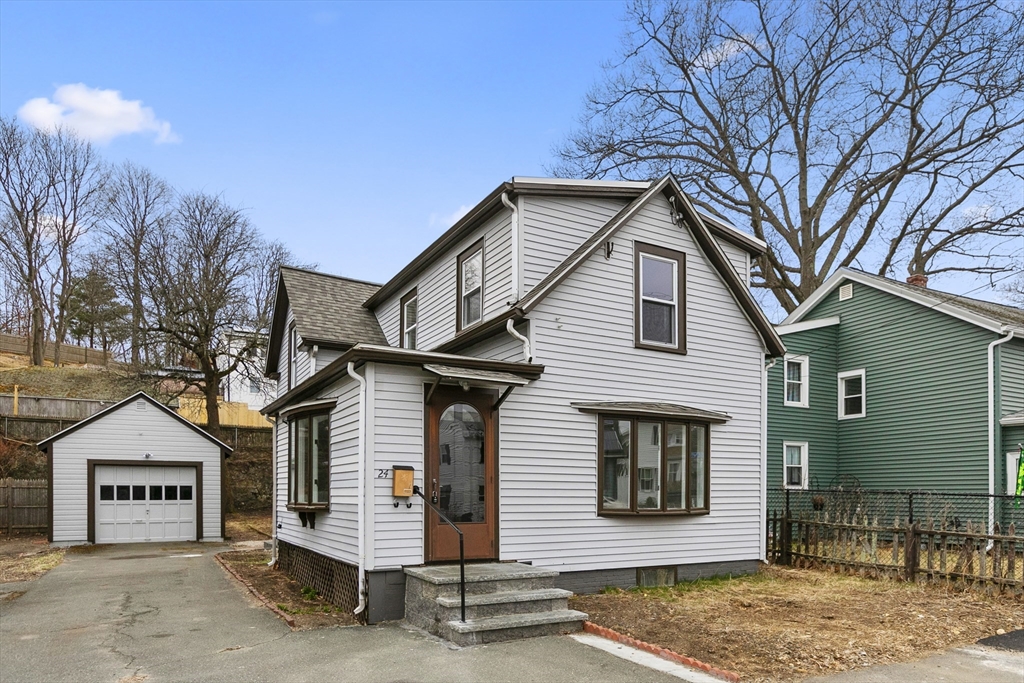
{"x":948,"y":509}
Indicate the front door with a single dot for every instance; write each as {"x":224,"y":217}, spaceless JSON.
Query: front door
{"x":461,"y":474}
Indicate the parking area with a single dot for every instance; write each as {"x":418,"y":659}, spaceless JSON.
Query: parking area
{"x":156,"y":612}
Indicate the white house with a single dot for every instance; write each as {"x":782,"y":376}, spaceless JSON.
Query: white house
{"x":135,"y":472}
{"x":245,"y":384}
{"x":574,"y":372}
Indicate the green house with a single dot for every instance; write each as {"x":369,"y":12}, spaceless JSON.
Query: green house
{"x":895,"y":386}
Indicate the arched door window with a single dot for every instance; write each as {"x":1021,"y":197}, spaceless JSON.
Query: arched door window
{"x":462,"y":470}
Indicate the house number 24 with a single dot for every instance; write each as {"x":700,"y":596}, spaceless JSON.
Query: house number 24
{"x":383,"y":474}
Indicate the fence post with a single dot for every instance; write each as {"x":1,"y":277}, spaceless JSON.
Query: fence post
{"x":787,"y":534}
{"x":911,"y":551}
{"x":10,"y":506}
{"x":910,"y":506}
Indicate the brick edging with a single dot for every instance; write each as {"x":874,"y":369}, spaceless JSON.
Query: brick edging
{"x":288,"y":619}
{"x":591,"y":627}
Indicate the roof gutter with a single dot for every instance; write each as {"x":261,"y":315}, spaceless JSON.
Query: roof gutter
{"x":992,"y":424}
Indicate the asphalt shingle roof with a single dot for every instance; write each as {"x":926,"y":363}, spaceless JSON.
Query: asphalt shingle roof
{"x":329,"y":308}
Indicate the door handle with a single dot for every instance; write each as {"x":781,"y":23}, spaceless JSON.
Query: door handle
{"x":433,"y":491}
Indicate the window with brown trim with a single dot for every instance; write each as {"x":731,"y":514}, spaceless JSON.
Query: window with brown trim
{"x":309,"y":460}
{"x":469,"y":304}
{"x":408,"y":317}
{"x":292,"y":355}
{"x":659,"y":307}
{"x":653,"y":466}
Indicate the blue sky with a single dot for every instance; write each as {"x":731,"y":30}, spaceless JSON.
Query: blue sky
{"x":351,"y":132}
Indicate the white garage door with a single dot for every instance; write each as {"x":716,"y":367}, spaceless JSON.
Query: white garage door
{"x":135,"y":504}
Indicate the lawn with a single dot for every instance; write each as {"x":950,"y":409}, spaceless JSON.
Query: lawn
{"x":23,"y":558}
{"x":248,"y":526}
{"x":787,"y":624}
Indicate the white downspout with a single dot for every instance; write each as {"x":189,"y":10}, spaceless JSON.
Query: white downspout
{"x":511,"y":328}
{"x":514,"y":247}
{"x":992,"y":427}
{"x":361,"y":491}
{"x":764,"y":461}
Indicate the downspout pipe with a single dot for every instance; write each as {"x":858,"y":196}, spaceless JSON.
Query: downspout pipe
{"x":514,"y":246}
{"x":764,"y":457}
{"x":511,"y":328}
{"x":361,"y":494}
{"x":992,"y":425}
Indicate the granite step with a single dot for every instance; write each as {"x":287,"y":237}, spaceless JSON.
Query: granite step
{"x":504,"y":597}
{"x":504,"y":602}
{"x":513,"y":626}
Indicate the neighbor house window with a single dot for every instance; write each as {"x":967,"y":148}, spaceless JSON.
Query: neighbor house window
{"x":852,"y":394}
{"x":408,"y":320}
{"x":797,"y":384}
{"x":794,"y":474}
{"x":659,"y":298}
{"x":309,"y":460}
{"x":652,"y":466}
{"x":470,"y":303}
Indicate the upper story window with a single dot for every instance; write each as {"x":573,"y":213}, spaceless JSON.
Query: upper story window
{"x":470,"y":303}
{"x":408,"y":320}
{"x":293,"y":352}
{"x":309,"y":461}
{"x":652,"y":466}
{"x":797,"y":381}
{"x":852,"y":394}
{"x":660,"y":301}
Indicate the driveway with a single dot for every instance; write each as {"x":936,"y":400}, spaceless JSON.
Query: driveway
{"x":169,"y":613}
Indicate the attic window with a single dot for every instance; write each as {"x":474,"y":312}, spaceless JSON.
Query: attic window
{"x":408,"y":320}
{"x":470,"y":301}
{"x":659,"y":299}
{"x":140,"y":405}
{"x":846,"y":292}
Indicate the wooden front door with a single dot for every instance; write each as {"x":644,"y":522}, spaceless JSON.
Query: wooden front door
{"x":461,"y":474}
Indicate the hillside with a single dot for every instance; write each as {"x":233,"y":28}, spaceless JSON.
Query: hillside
{"x":71,"y":382}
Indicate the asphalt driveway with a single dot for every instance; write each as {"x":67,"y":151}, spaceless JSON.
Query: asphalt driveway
{"x":169,"y":613}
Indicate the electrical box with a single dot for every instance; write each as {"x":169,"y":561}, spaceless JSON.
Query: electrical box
{"x":402,"y":481}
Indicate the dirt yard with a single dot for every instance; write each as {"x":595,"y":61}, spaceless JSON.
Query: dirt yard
{"x":291,"y":597}
{"x":789,"y":624}
{"x":23,"y":558}
{"x":248,"y":526}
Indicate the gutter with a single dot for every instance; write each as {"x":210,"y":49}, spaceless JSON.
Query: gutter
{"x":992,"y":424}
{"x":361,"y":495}
{"x":510,"y":326}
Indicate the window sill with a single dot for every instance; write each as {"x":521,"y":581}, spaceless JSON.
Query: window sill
{"x":796,"y":405}
{"x":852,"y":417}
{"x":680,"y":350}
{"x":306,"y":507}
{"x":653,"y":513}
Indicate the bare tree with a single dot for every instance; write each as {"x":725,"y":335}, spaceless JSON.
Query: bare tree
{"x":204,"y":275}
{"x":26,"y":248}
{"x":138,"y":202}
{"x":870,"y":133}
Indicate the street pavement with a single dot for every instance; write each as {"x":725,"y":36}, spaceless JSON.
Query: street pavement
{"x":152,"y":613}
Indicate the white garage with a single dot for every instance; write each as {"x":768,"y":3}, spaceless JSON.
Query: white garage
{"x":136,"y":472}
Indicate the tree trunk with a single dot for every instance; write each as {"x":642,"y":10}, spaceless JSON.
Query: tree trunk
{"x":38,"y":336}
{"x":211,"y":389}
{"x":136,"y":315}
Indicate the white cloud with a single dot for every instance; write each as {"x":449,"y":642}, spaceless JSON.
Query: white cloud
{"x":447,"y":220}
{"x":95,"y":114}
{"x":715,"y":56}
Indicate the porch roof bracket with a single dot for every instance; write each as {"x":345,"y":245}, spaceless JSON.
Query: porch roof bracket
{"x":501,"y":399}
{"x":430,"y":392}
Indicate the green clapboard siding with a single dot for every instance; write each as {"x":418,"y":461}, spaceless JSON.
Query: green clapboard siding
{"x":815,"y":424}
{"x":1011,"y":376}
{"x":927,"y":401}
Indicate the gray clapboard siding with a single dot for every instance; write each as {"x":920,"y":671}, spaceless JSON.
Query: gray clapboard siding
{"x":583,"y":334}
{"x":552,"y":227}
{"x":303,"y":363}
{"x":325,"y":357}
{"x":739,"y":258}
{"x":336,"y":532}
{"x":127,"y":433}
{"x":436,"y":286}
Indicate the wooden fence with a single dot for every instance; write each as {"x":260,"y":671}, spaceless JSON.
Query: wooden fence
{"x":69,"y":353}
{"x":45,"y":406}
{"x":23,"y":506}
{"x":929,"y":552}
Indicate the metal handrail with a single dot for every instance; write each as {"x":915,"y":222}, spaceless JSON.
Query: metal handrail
{"x":462,"y":552}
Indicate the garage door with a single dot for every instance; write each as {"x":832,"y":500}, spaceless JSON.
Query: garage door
{"x":135,"y":504}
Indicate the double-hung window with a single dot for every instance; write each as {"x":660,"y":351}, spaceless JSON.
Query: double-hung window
{"x":649,"y":466}
{"x":293,"y":352}
{"x":852,"y":394}
{"x":659,"y":298}
{"x":470,"y":302}
{"x":309,"y":460}
{"x":797,"y":381}
{"x":408,"y":320}
{"x":794,"y":474}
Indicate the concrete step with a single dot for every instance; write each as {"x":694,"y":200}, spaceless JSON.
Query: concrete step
{"x":433,"y":581}
{"x":505,"y":602}
{"x":513,"y":626}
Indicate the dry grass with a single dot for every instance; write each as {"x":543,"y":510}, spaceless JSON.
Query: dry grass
{"x":72,"y":382}
{"x":788,"y":624}
{"x":29,"y":565}
{"x":248,"y":526}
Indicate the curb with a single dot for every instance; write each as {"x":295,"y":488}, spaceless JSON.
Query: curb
{"x":259,"y":596}
{"x":591,"y":627}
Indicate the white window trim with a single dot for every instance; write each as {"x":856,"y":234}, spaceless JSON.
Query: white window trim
{"x":409,"y":328}
{"x":674,"y":303}
{"x":863,"y":389}
{"x":1011,"y":472}
{"x":805,"y":383}
{"x":802,"y":445}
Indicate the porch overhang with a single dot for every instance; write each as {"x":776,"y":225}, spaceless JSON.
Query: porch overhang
{"x":652,"y":409}
{"x":468,"y":377}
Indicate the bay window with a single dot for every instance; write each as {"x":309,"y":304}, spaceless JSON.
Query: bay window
{"x":648,"y":466}
{"x":309,"y":460}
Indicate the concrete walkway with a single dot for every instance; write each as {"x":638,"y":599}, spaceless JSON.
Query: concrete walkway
{"x":975,"y":664}
{"x":170,"y":613}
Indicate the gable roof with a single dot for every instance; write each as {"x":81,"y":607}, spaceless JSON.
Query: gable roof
{"x":328,"y":311}
{"x":554,"y":187}
{"x":45,"y":443}
{"x":712,"y":251}
{"x":991,"y":316}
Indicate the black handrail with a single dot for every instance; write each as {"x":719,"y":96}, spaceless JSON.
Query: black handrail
{"x":462,"y":552}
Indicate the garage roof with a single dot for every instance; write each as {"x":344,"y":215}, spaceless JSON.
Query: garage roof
{"x":45,"y":443}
